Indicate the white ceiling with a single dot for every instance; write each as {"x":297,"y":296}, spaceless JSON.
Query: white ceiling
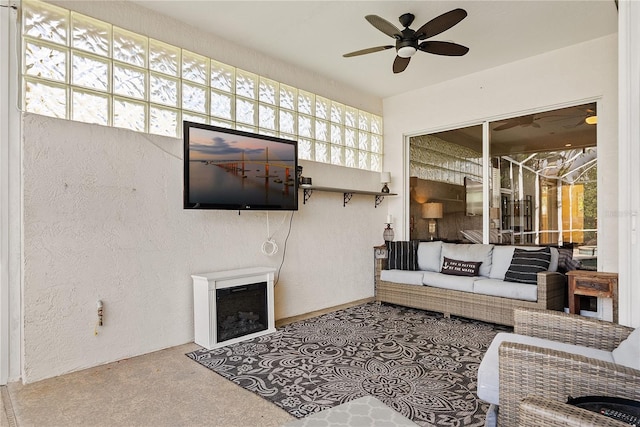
{"x":314,"y":34}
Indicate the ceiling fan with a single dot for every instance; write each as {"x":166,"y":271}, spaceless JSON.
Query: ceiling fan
{"x":522,"y":121}
{"x":588,"y":116}
{"x":531,"y":120}
{"x":409,"y":41}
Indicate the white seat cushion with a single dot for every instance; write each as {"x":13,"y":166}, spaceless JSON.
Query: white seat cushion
{"x":488,"y":381}
{"x":628,"y":352}
{"x":408,"y":277}
{"x":500,"y":288}
{"x":456,"y":283}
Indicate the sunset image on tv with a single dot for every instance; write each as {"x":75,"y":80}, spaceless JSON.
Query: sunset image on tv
{"x":234,"y":170}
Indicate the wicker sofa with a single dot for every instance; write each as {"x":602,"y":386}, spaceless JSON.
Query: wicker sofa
{"x":482,"y":298}
{"x":553,"y":356}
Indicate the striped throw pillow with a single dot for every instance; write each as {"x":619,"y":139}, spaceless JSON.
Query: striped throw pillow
{"x":525,"y":265}
{"x":566,"y":261}
{"x":403,"y":255}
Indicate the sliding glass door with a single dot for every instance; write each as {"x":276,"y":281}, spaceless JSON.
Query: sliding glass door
{"x":541,"y":181}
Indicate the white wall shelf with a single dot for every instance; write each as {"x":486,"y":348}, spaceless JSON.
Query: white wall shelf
{"x":346,"y":193}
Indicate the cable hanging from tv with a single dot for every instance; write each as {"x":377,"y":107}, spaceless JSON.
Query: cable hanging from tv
{"x":270,"y":247}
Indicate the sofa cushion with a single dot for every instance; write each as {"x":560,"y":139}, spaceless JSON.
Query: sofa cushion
{"x":403,"y":255}
{"x":500,"y":288}
{"x":469,"y":252}
{"x":628,"y":352}
{"x":407,"y":277}
{"x":455,"y":283}
{"x":566,"y":261}
{"x":456,"y":267}
{"x":502,"y":255}
{"x":525,"y":265}
{"x":429,"y":255}
{"x":488,"y":381}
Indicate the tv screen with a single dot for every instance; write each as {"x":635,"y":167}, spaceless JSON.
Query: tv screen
{"x":236,"y":170}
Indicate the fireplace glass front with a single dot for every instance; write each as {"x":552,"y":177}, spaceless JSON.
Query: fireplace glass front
{"x":241,"y":310}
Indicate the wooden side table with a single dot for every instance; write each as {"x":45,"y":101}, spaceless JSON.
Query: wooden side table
{"x":594,"y":284}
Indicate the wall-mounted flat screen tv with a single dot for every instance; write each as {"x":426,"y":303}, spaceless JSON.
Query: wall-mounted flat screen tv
{"x":236,"y":170}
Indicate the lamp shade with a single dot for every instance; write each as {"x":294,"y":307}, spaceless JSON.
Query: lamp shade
{"x":432,"y":210}
{"x":385,"y":177}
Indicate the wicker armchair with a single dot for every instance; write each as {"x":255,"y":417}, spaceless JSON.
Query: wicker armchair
{"x":528,"y":371}
{"x":538,"y":411}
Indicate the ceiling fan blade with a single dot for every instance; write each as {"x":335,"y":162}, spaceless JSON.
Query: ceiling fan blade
{"x":441,"y":23}
{"x":365,"y":51}
{"x":508,"y":125}
{"x":581,"y":122}
{"x":400,"y":64}
{"x":443,"y":48}
{"x":385,"y":26}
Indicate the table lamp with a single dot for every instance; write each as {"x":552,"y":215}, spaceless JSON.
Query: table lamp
{"x":432,"y":212}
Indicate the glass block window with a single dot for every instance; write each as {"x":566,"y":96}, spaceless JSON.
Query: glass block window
{"x":434,"y":159}
{"x":79,"y":68}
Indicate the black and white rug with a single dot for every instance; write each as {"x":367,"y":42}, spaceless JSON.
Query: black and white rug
{"x":416,"y":362}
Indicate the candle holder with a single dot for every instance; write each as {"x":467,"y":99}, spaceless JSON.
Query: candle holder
{"x":388,"y":233}
{"x":385,"y":178}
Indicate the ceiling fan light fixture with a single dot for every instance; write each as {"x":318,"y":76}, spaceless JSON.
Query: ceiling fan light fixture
{"x":591,"y":120}
{"x":409,"y":41}
{"x":407,"y":51}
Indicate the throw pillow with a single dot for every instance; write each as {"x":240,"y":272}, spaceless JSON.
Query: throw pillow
{"x":566,"y":262}
{"x":525,"y":265}
{"x":460,"y":268}
{"x":627,"y":352}
{"x":403,"y":255}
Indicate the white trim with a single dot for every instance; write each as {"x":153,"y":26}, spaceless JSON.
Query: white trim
{"x":487,"y":178}
{"x":4,"y":196}
{"x":7,"y":128}
{"x":628,"y":158}
{"x":10,"y":197}
{"x":406,"y":206}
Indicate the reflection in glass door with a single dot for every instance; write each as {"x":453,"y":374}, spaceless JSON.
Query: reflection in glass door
{"x":446,"y":185}
{"x":542,"y":180}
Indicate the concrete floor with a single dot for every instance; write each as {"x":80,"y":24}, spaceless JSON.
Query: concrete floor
{"x":164,"y":388}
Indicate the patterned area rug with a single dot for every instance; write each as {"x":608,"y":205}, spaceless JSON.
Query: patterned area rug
{"x":416,"y":362}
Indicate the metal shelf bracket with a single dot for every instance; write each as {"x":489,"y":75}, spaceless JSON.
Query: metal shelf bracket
{"x":346,"y":198}
{"x":307,"y":195}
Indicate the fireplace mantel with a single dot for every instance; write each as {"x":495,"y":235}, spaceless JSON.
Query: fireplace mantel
{"x":204,"y":302}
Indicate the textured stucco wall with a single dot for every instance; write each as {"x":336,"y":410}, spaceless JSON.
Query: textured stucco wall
{"x":103,"y":219}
